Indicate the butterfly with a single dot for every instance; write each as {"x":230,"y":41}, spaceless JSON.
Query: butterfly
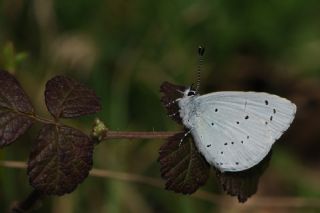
{"x":233,"y":130}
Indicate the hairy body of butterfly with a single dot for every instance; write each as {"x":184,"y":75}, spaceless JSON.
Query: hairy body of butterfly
{"x":234,"y":131}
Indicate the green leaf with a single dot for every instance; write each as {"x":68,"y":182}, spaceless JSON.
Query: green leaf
{"x":245,"y":183}
{"x":181,"y":165}
{"x":60,"y":159}
{"x":69,"y":98}
{"x":15,"y":109}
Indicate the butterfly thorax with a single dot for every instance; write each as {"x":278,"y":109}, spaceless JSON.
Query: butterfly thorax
{"x":188,"y":108}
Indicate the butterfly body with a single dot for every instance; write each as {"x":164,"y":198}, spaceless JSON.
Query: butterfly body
{"x":233,"y":130}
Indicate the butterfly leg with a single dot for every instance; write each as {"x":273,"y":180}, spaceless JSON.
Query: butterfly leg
{"x":171,"y":115}
{"x":172,"y":102}
{"x":182,"y":92}
{"x":184,"y":136}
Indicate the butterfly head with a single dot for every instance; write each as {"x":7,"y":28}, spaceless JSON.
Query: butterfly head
{"x":189,"y":92}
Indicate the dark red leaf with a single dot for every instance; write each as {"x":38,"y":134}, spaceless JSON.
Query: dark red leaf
{"x":171,"y":93}
{"x":245,"y":183}
{"x":184,"y":169}
{"x":69,"y":98}
{"x":15,"y":109}
{"x":60,"y":159}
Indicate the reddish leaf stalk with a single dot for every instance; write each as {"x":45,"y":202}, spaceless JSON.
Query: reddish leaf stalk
{"x":100,"y":132}
{"x":137,"y":135}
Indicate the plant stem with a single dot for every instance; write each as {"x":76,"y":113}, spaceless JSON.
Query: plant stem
{"x":137,"y":135}
{"x":104,"y":134}
{"x":100,"y":132}
{"x":256,"y":202}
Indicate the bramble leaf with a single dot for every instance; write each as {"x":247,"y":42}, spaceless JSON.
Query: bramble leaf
{"x":68,"y":98}
{"x":184,"y":169}
{"x":15,"y":109}
{"x":60,"y":159}
{"x":245,"y":183}
{"x":171,"y":93}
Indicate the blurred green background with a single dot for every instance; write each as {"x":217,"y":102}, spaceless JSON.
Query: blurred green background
{"x":124,"y":50}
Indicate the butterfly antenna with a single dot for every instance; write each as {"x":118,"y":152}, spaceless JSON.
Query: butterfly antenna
{"x":200,"y":58}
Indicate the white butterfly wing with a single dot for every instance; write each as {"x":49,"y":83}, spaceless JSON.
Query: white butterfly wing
{"x":235,"y":130}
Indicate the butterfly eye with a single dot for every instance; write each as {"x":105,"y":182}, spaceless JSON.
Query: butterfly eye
{"x":190,"y":93}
